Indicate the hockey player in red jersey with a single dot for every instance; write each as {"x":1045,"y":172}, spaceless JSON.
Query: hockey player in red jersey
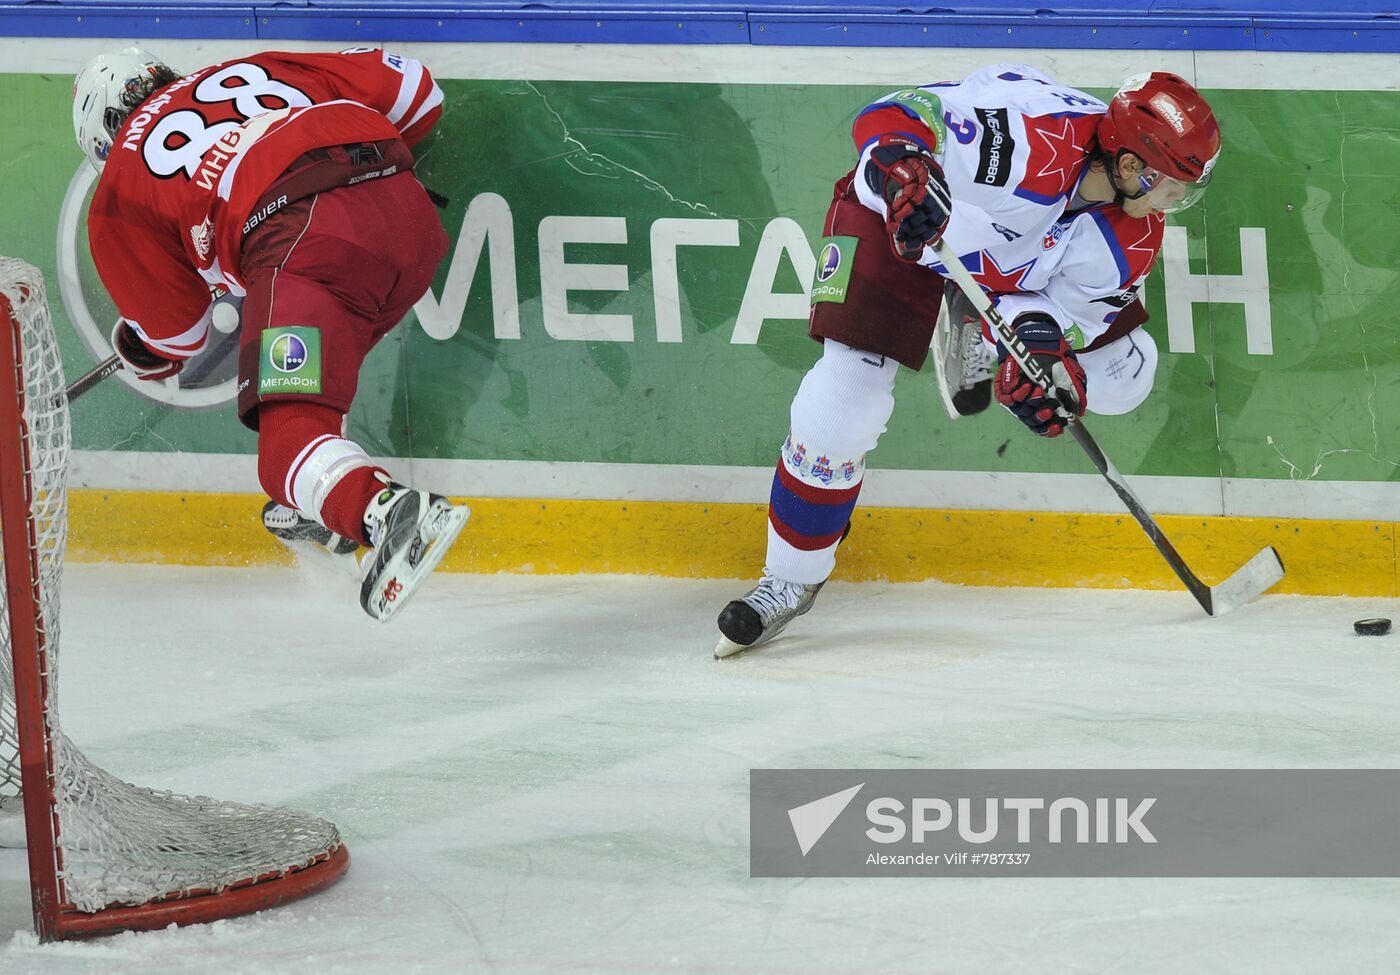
{"x":286,"y":180}
{"x":1054,"y":201}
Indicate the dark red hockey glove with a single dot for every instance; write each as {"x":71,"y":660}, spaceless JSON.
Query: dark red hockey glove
{"x":138,"y":358}
{"x":1045,"y":412}
{"x":911,"y":182}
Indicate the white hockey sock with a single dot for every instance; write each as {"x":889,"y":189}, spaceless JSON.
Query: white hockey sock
{"x":838,"y":415}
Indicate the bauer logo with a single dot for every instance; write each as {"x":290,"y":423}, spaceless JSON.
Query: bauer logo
{"x":291,"y":361}
{"x":1073,"y":822}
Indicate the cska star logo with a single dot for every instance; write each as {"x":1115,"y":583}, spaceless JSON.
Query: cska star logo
{"x":990,"y":275}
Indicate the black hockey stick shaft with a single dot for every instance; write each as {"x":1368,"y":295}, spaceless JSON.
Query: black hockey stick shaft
{"x":90,"y":379}
{"x":1144,"y":518}
{"x":1100,"y":460}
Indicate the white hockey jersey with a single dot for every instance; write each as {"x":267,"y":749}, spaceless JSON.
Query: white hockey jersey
{"x":1015,"y":146}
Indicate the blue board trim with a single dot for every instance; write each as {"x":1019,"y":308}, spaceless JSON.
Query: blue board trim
{"x":1362,"y":26}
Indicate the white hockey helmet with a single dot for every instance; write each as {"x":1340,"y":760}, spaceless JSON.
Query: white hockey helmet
{"x":104,"y":93}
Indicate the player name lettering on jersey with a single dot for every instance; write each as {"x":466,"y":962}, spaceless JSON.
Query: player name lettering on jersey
{"x":211,"y":166}
{"x":135,"y":128}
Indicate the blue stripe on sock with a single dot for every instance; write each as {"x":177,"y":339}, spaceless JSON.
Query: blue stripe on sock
{"x":808,"y":518}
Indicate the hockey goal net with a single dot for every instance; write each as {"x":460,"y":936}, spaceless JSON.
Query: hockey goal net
{"x":104,"y":855}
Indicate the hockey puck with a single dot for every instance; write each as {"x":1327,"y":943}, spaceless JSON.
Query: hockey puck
{"x":1379,"y":626}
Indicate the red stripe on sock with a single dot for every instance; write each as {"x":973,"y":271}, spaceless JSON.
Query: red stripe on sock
{"x":805,"y":543}
{"x":816,"y":495}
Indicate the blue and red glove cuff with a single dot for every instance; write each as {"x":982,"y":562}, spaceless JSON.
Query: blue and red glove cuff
{"x":1039,"y":333}
{"x":888,"y":153}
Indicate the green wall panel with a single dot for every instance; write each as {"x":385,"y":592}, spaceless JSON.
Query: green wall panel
{"x":1311,"y":171}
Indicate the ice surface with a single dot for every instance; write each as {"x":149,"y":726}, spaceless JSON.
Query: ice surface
{"x":549,"y":775}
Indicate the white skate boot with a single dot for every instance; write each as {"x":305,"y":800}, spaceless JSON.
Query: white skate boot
{"x":301,"y":534}
{"x":762,"y":613}
{"x":964,"y":362}
{"x":410,"y":532}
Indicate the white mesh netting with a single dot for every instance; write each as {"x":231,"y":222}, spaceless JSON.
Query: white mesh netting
{"x":118,"y":844}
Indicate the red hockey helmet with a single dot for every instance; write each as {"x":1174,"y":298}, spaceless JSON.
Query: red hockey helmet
{"x":1160,"y":118}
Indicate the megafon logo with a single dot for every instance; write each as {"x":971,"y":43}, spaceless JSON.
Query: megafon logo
{"x":288,"y":353}
{"x":208,"y":382}
{"x":829,"y":263}
{"x":811,"y":820}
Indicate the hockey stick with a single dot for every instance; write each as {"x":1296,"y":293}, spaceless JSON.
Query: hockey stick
{"x":223,"y":322}
{"x":88,"y":380}
{"x":1261,"y":572}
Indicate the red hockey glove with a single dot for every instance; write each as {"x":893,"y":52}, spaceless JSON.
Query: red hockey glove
{"x":909,"y":179}
{"x":138,"y":358}
{"x":1045,"y":412}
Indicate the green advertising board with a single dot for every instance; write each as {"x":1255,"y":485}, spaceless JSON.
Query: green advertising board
{"x":631,"y":258}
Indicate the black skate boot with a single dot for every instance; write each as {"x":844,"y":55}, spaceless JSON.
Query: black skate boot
{"x":762,"y":614}
{"x":301,"y":534}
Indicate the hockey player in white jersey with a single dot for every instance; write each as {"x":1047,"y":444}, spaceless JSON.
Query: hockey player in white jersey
{"x":1055,"y":203}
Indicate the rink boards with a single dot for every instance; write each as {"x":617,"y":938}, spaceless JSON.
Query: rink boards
{"x":695,"y":540}
{"x":607,"y":356}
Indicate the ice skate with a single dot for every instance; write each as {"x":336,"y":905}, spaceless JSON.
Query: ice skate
{"x":410,"y":532}
{"x":762,"y":614}
{"x":965,"y":362}
{"x":301,"y":534}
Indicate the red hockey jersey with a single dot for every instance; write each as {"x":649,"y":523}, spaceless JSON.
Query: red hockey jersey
{"x":189,"y":166}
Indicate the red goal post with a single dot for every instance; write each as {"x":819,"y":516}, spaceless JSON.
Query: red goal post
{"x":104,"y":855}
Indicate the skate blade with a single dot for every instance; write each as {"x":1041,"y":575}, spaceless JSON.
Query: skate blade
{"x":727,"y":648}
{"x":303,"y":537}
{"x":316,"y":550}
{"x":402,"y":585}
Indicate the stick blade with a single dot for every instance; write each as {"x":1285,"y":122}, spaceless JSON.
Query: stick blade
{"x":1255,"y":577}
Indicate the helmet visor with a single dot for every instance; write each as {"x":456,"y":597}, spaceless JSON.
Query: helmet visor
{"x":1167,"y":194}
